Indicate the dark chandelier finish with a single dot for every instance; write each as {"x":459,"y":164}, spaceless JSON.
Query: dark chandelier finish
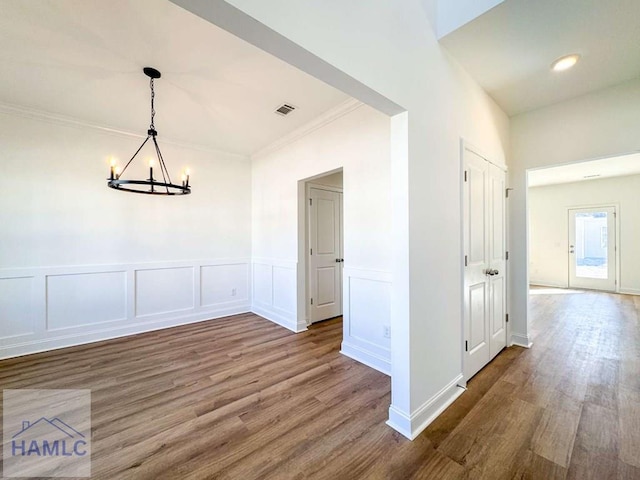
{"x":155,"y":186}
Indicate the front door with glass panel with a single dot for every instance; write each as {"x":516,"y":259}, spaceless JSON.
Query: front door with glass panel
{"x":592,"y":248}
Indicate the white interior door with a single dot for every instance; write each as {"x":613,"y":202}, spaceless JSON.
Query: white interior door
{"x":592,"y":248}
{"x":325,"y":254}
{"x":497,"y":261}
{"x":484,"y":273}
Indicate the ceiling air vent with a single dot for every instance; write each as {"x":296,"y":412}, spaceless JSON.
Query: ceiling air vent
{"x":285,"y":109}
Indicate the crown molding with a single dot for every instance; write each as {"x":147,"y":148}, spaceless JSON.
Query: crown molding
{"x":58,"y":119}
{"x":327,"y":117}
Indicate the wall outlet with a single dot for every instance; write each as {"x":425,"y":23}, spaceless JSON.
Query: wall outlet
{"x":233,"y":292}
{"x":386,"y":331}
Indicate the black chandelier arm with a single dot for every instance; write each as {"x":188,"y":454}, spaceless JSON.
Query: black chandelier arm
{"x":163,"y":167}
{"x":134,"y":155}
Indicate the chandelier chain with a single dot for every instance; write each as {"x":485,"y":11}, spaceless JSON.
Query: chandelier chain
{"x":153,"y":110}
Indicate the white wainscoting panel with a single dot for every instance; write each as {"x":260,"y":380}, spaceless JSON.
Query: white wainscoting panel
{"x":164,"y":290}
{"x":263,"y":283}
{"x":16,"y":306}
{"x":224,"y":284}
{"x":83,"y":299}
{"x":275,"y":292}
{"x":367,"y":317}
{"x":52,"y":307}
{"x":285,"y":290}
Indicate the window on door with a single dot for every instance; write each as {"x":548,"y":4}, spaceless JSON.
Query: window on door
{"x":591,"y":255}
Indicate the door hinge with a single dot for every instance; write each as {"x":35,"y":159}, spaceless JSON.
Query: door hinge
{"x":465,"y":175}
{"x":310,"y":201}
{"x":312,"y":301}
{"x":311,"y":251}
{"x":506,"y":192}
{"x":466,"y":261}
{"x":506,"y":318}
{"x":466,"y":346}
{"x":506,"y":255}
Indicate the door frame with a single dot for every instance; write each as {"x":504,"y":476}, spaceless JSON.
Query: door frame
{"x":302,"y":270}
{"x":466,"y":145}
{"x":616,"y":207}
{"x":308,"y":186}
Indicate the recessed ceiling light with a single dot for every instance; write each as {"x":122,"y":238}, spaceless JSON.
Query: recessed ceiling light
{"x":565,"y":63}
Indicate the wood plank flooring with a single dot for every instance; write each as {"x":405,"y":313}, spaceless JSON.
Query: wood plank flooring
{"x":242,"y":398}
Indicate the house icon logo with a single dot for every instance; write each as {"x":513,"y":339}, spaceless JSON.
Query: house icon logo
{"x":46,"y":433}
{"x":48,"y":437}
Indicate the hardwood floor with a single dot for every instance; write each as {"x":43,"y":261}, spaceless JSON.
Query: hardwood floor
{"x":241,"y":398}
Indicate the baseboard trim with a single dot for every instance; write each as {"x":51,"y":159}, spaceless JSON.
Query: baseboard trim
{"x":412,"y":425}
{"x":521,"y":340}
{"x":629,"y":291}
{"x":301,"y":325}
{"x":275,"y":317}
{"x":368,"y":358}
{"x":548,"y":285}
{"x":46,"y":344}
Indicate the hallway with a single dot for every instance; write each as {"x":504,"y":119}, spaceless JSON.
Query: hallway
{"x":567,"y":408}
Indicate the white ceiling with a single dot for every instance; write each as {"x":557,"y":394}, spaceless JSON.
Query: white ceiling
{"x":510,"y":48}
{"x":592,"y":170}
{"x":84,"y":59}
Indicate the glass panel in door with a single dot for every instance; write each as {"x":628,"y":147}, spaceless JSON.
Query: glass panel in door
{"x":592,"y":248}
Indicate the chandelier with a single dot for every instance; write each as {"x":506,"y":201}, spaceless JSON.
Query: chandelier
{"x":150,"y":186}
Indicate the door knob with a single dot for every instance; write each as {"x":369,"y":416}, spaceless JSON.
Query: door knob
{"x":337,"y":260}
{"x":492,"y":272}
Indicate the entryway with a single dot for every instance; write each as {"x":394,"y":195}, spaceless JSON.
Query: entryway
{"x":582,"y":221}
{"x":325,"y":256}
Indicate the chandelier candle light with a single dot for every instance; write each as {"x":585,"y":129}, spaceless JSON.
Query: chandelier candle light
{"x":154,"y":186}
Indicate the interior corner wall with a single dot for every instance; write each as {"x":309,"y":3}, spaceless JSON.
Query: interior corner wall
{"x":601,"y":124}
{"x":453,"y":14}
{"x":549,"y":228}
{"x":80,"y":262}
{"x":357,"y":142}
{"x":388,"y":57}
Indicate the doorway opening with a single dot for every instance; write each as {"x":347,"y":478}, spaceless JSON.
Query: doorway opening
{"x":578,"y":220}
{"x":324,"y":244}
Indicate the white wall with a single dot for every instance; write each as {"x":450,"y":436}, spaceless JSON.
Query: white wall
{"x":548,"y":224}
{"x":601,"y":124}
{"x":81,"y":262}
{"x":357,"y":142}
{"x":387,"y":56}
